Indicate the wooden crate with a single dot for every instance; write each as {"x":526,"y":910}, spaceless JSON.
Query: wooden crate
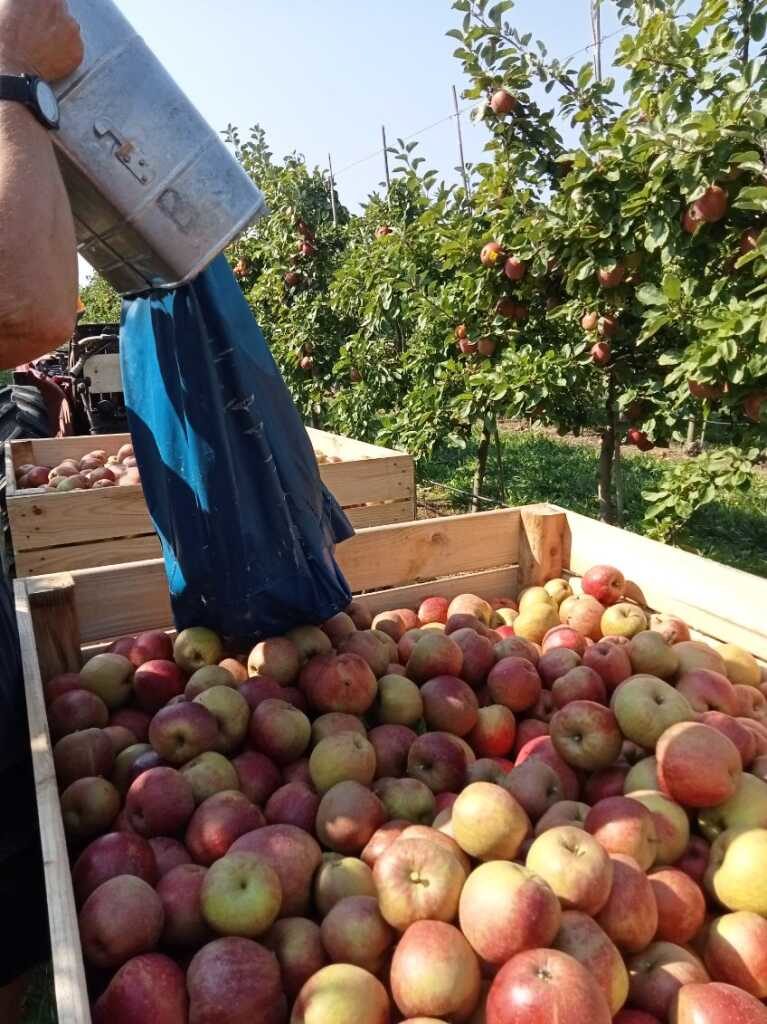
{"x":490,"y":553}
{"x":82,"y":529}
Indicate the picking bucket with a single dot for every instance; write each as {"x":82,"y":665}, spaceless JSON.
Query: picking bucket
{"x":155,"y":193}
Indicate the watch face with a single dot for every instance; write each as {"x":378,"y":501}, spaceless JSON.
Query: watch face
{"x":47,"y":102}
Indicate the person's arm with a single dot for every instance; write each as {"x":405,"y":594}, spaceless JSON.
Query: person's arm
{"x":38,"y":260}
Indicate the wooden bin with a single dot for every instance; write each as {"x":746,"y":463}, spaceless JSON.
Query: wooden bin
{"x":82,"y":529}
{"x":490,"y":554}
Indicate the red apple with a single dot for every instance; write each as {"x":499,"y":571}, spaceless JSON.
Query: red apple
{"x":555,"y":663}
{"x":542,"y":747}
{"x":148,"y":987}
{"x":121,"y":919}
{"x":586,"y":735}
{"x":258,"y":775}
{"x":133,"y":719}
{"x":159,"y":802}
{"x":347,"y":817}
{"x":179,"y":892}
{"x":449,"y":705}
{"x":180,"y":732}
{"x":434,"y":654}
{"x":710,"y":1004}
{"x":435,"y":971}
{"x":297,"y":944}
{"x":544,"y":985}
{"x":153,"y":645}
{"x":168,"y":854}
{"x":576,"y":867}
{"x":582,"y":938}
{"x":630,"y":916}
{"x":605,"y":583}
{"x":697,"y":765}
{"x":235,"y":975}
{"x":335,"y":994}
{"x":417,"y":880}
{"x":437,"y":760}
{"x":408,"y":799}
{"x":708,"y":691}
{"x":293,"y":854}
{"x":74,"y":711}
{"x":514,"y":683}
{"x":433,"y":609}
{"x":535,"y":785}
{"x":581,"y":683}
{"x":743,"y":739}
{"x":681,"y":905}
{"x":345,"y":682}
{"x":494,"y":732}
{"x":156,"y":682}
{"x":694,"y":861}
{"x":82,"y":755}
{"x":295,"y":803}
{"x":658,"y":973}
{"x":218,"y":822}
{"x":623,"y":825}
{"x":564,"y":636}
{"x":117,"y":853}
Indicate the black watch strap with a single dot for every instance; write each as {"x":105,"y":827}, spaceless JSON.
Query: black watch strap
{"x":16,"y":87}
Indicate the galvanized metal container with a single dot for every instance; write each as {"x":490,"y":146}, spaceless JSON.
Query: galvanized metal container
{"x":155,"y":193}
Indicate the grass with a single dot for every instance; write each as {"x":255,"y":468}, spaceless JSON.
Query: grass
{"x":539,"y":467}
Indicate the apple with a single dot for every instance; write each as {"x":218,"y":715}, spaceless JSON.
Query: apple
{"x":121,"y":919}
{"x":433,"y":609}
{"x":179,"y":891}
{"x":278,"y":658}
{"x":576,"y":867}
{"x":232,"y":714}
{"x":672,"y":827}
{"x":354,"y":932}
{"x":406,"y":799}
{"x":697,"y":765}
{"x":339,"y":757}
{"x":709,"y":1004}
{"x":338,"y":628}
{"x":493,"y":735}
{"x":694,"y":861}
{"x":208,"y":774}
{"x":374,"y":647}
{"x":488,"y":822}
{"x":292,"y":853}
{"x":646,"y":707}
{"x":110,"y":677}
{"x":152,"y":645}
{"x":586,"y":735}
{"x":694,"y":654}
{"x":159,"y":802}
{"x":156,"y":682}
{"x":565,"y":812}
{"x":297,"y":944}
{"x":120,"y":738}
{"x":218,"y":822}
{"x":133,"y":719}
{"x":434,"y":654}
{"x":478,"y":655}
{"x":750,"y":702}
{"x":546,"y":985}
{"x":736,"y":870}
{"x":207,"y":677}
{"x":337,"y":878}
{"x":583,"y":613}
{"x":708,"y":691}
{"x":735,"y":951}
{"x":630,"y":916}
{"x":741,"y":666}
{"x":196,"y":647}
{"x":534,"y":622}
{"x":517,"y":647}
{"x":399,"y":701}
{"x":605,"y":583}
{"x":527,"y":730}
{"x":436,"y":759}
{"x":417,"y":879}
{"x":347,"y":817}
{"x":88,"y":807}
{"x":610,"y":661}
{"x":622,"y":825}
{"x":581,"y":683}
{"x":492,"y":254}
{"x":435,"y":971}
{"x":746,"y":808}
{"x":642,"y":775}
{"x":383,"y":838}
{"x":650,"y":654}
{"x":673,"y":629}
{"x":151,"y":986}
{"x":359,"y":613}
{"x":535,"y":785}
{"x":564,"y":636}
{"x":117,"y":853}
{"x":81,"y":755}
{"x":76,"y":710}
{"x":505,"y":908}
{"x":335,"y":994}
{"x":295,"y":803}
{"x":555,"y":663}
{"x":391,"y":744}
{"x":235,"y":976}
{"x":558,"y":589}
{"x":168,"y":854}
{"x":712,"y":205}
{"x":181,"y":732}
{"x":681,"y":905}
{"x":623,"y":619}
{"x":241,"y":895}
{"x":742,"y":737}
{"x":449,"y":705}
{"x":335,"y":722}
{"x":61,"y":684}
{"x":605,"y":783}
{"x":542,"y":747}
{"x":342,"y":682}
{"x":258,"y":776}
{"x":514,"y":683}
{"x":582,"y":938}
{"x":502,"y":103}
{"x":658,"y":973}
{"x":279,"y":730}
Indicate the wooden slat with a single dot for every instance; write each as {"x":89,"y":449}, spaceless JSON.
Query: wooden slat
{"x":51,"y":519}
{"x":347,"y":448}
{"x":382,"y":513}
{"x":370,"y":480}
{"x":722,"y":602}
{"x":86,"y":556}
{"x":68,"y":970}
{"x":10,"y":470}
{"x":541,"y":544}
{"x":49,"y":451}
{"x":398,"y":555}
{"x":122,"y":600}
{"x":492,"y":583}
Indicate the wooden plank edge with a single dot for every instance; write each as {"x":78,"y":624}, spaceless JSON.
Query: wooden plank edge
{"x":10,"y":471}
{"x":487,"y":584}
{"x":68,"y":969}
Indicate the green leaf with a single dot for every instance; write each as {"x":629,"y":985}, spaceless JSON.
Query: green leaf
{"x":651,"y":295}
{"x":672,"y":287}
{"x":585,"y":75}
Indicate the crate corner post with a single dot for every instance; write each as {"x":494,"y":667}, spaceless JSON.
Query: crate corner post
{"x":542,"y":544}
{"x":56,"y":627}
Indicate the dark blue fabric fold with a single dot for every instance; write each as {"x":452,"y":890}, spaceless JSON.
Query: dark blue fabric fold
{"x":248,"y":529}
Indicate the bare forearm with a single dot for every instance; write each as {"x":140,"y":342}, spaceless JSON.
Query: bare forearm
{"x":38,"y":262}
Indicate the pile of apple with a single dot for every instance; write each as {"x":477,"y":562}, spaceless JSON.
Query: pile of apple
{"x":93,"y":471}
{"x":550,"y":813}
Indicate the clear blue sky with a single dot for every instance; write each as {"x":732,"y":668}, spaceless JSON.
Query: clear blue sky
{"x":324,"y":75}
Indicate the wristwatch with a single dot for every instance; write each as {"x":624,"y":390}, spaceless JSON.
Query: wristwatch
{"x":34,"y":93}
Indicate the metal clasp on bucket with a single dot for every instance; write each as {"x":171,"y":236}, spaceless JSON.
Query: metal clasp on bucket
{"x":126,"y":152}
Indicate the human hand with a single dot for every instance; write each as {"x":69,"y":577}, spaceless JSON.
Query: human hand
{"x":39,"y":37}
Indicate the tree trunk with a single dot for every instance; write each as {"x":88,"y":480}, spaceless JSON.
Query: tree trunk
{"x":692,"y":429}
{"x":606,"y":459}
{"x":499,"y":457}
{"x":479,"y":472}
{"x":618,"y":476}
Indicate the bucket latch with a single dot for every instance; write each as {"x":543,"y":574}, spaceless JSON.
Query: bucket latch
{"x":126,"y":152}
